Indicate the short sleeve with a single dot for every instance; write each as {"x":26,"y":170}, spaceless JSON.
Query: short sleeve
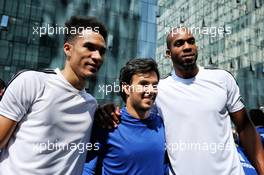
{"x":18,"y":96}
{"x":234,"y":99}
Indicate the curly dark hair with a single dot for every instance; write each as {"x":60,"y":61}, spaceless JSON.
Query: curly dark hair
{"x":135,"y":66}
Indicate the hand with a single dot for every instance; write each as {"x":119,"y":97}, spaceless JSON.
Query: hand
{"x":107,"y":116}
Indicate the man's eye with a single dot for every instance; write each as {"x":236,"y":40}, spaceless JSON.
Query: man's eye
{"x":102,"y":51}
{"x":179,"y":43}
{"x":143,"y":83}
{"x":191,"y":41}
{"x":90,"y":47}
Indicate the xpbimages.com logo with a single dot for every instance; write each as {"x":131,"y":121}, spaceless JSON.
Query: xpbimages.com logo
{"x":213,"y":148}
{"x":212,"y":31}
{"x":50,"y":146}
{"x":62,"y":30}
{"x":116,"y":88}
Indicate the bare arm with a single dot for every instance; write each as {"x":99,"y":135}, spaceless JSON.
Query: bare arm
{"x":7,"y":127}
{"x":249,"y":139}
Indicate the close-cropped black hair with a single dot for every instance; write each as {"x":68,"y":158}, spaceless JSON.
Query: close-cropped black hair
{"x":83,"y":22}
{"x":175,"y":29}
{"x":135,"y":66}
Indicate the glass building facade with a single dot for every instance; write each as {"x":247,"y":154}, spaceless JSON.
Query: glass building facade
{"x":131,"y":25}
{"x":229,"y":35}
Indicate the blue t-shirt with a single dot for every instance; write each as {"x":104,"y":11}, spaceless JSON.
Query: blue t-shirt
{"x":136,"y":147}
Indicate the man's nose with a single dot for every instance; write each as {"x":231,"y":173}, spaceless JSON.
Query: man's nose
{"x":187,"y":47}
{"x":97,"y":56}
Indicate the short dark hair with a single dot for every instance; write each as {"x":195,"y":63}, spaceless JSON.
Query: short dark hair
{"x":83,"y":22}
{"x":168,"y":40}
{"x":2,"y":84}
{"x":135,"y":66}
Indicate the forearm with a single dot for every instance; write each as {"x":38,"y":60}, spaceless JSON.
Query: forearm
{"x":251,"y":143}
{"x":4,"y":139}
{"x":7,"y":127}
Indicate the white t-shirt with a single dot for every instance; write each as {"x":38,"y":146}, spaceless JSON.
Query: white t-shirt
{"x":54,"y":125}
{"x":197,"y":122}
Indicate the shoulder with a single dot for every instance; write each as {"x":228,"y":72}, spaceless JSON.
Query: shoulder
{"x":89,"y":98}
{"x":164,"y":80}
{"x":31,"y":74}
{"x":28,"y":80}
{"x":156,"y":116}
{"x":90,"y":101}
{"x":217,"y":73}
{"x":156,"y":122}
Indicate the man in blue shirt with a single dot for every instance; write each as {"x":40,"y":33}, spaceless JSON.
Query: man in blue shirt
{"x":137,"y":146}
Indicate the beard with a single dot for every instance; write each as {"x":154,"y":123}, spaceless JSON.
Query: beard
{"x":186,"y":65}
{"x":189,"y":66}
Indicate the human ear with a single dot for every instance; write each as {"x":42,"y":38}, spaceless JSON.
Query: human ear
{"x":126,"y":89}
{"x":168,"y":53}
{"x":67,"y":47}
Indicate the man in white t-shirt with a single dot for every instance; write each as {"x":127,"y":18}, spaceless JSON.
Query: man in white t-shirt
{"x":46,"y":117}
{"x":198,"y":106}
